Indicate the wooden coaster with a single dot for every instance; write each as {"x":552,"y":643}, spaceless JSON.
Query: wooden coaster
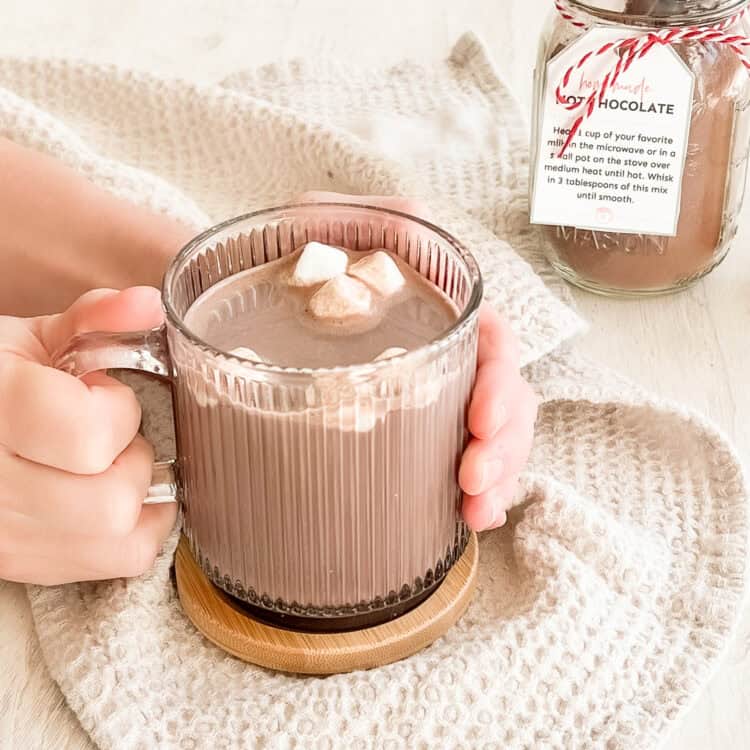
{"x":222,"y":622}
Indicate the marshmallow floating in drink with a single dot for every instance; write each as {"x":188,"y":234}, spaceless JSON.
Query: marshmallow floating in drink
{"x":356,"y":417}
{"x":246,"y":353}
{"x":318,"y":263}
{"x":380,"y":272}
{"x":341,"y":298}
{"x":391,"y":351}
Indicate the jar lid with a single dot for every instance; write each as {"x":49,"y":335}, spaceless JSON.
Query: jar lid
{"x":664,"y":11}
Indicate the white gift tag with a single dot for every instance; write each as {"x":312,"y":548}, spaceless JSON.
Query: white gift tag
{"x":623,"y":170}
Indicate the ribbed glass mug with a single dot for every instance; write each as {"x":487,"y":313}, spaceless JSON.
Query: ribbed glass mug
{"x":323,"y":499}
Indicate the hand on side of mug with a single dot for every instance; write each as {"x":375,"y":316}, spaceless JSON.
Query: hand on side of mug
{"x":73,"y":469}
{"x":501,"y":421}
{"x":503,"y":406}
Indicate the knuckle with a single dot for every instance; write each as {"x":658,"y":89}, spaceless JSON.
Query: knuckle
{"x":138,"y":463}
{"x":120,"y":509}
{"x":130,"y":476}
{"x":83,"y":304}
{"x":145,"y":456}
{"x":92,"y":449}
{"x":130,"y":401}
{"x":122,"y":407}
{"x":97,"y":436}
{"x":141,"y":557}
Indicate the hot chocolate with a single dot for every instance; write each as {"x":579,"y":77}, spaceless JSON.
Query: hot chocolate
{"x":361,"y":522}
{"x":315,"y":309}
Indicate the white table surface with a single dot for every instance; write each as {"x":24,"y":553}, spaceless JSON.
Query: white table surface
{"x":694,"y":347}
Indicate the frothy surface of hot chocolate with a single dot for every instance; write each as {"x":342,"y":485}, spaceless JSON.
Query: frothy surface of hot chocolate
{"x":322,"y":307}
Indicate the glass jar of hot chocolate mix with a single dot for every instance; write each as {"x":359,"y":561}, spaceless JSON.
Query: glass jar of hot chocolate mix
{"x":641,"y":133}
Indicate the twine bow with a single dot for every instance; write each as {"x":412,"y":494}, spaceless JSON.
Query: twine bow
{"x":633,"y":48}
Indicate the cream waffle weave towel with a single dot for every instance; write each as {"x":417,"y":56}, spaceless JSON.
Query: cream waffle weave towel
{"x":602,"y":606}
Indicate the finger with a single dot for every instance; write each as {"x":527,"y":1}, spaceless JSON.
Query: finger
{"x":485,"y":462}
{"x":494,"y":395}
{"x":516,"y":438}
{"x":135,"y":554}
{"x":488,"y":510}
{"x":107,"y":504}
{"x":411,"y":206}
{"x":497,"y":340}
{"x":31,"y":555}
{"x":482,"y":466}
{"x":134,"y":309}
{"x":55,"y":419}
{"x":479,"y":511}
{"x":498,"y":374}
{"x":94,"y":419}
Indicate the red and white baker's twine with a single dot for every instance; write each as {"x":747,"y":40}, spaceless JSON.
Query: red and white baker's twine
{"x":634,"y":48}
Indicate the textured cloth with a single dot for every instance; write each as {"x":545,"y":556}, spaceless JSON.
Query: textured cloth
{"x":604,"y":603}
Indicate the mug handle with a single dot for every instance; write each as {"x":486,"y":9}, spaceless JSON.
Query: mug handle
{"x":137,"y":350}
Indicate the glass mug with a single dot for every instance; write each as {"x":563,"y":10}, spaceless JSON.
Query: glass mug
{"x":321,"y":499}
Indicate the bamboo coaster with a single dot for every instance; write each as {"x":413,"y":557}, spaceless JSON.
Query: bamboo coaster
{"x":237,"y":632}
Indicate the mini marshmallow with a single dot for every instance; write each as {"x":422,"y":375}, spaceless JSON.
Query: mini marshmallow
{"x":340,"y":298}
{"x":357,"y":417}
{"x":380,"y":272}
{"x":318,"y":263}
{"x":205,"y":394}
{"x":391,"y":351}
{"x":243,"y":351}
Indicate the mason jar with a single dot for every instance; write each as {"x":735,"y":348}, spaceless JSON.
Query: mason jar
{"x":634,"y":262}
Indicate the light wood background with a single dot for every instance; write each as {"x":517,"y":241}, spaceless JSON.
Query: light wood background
{"x":694,"y":347}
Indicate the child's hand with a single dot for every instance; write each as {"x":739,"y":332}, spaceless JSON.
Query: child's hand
{"x":503,"y":406}
{"x":73,"y":470}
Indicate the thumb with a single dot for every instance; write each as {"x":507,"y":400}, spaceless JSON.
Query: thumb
{"x":134,"y":309}
{"x":96,"y":418}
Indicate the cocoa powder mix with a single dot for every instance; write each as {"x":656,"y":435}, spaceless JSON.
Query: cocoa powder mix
{"x":714,"y":168}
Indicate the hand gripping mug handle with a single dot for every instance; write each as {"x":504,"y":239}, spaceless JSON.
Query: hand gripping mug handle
{"x":137,"y":350}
